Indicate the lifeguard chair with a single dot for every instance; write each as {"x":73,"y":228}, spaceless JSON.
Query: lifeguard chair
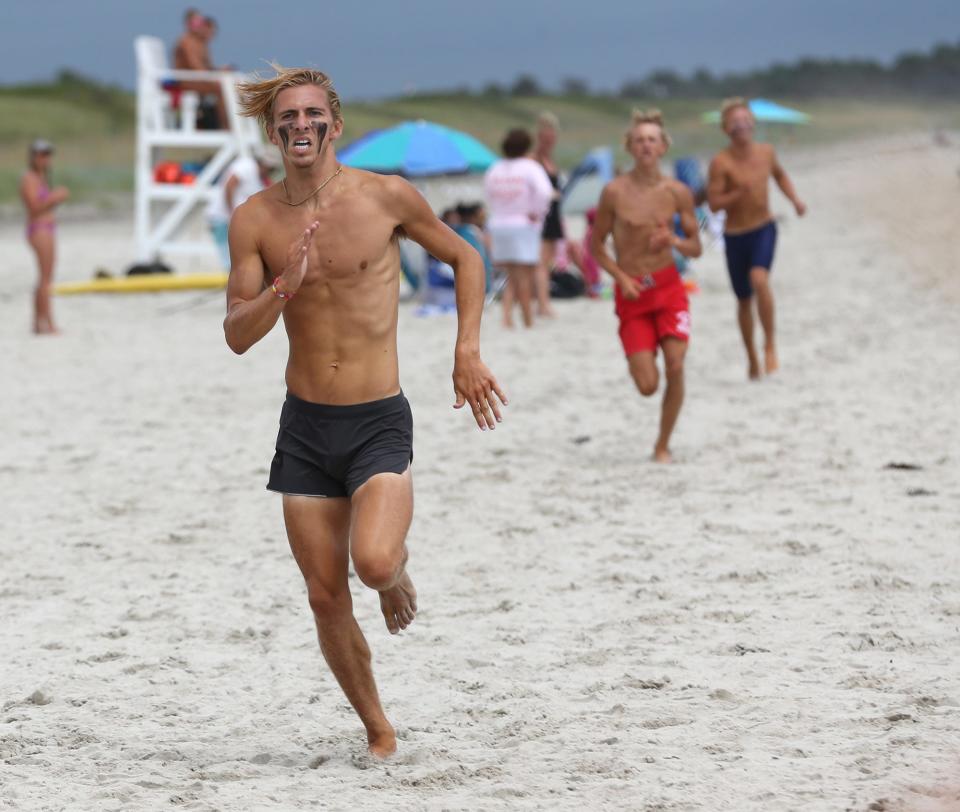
{"x":163,"y":209}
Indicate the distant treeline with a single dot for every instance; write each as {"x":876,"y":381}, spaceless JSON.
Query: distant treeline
{"x":936,"y":73}
{"x":932,"y":74}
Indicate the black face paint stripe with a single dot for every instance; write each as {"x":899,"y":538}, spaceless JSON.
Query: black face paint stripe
{"x":319,"y":127}
{"x":321,"y":130}
{"x":284,"y":132}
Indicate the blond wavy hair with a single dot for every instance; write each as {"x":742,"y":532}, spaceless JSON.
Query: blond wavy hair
{"x":258,"y":96}
{"x":731,"y":104}
{"x":651,"y":116}
{"x":548,"y":120}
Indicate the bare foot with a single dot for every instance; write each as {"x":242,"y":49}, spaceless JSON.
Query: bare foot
{"x":399,"y":604}
{"x":770,"y":361}
{"x":547,"y":313}
{"x":662,"y":455}
{"x":508,"y":323}
{"x":753,"y":371}
{"x":382,"y":743}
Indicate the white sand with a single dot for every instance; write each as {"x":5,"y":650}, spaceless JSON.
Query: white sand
{"x":771,"y":624}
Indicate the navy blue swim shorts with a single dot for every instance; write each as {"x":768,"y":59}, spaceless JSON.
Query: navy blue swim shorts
{"x":754,"y":249}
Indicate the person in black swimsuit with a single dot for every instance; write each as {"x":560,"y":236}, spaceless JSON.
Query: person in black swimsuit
{"x":547,"y":129}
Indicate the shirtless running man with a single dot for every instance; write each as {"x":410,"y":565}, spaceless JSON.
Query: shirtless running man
{"x":321,"y":249}
{"x":738,"y":183}
{"x":651,"y":301}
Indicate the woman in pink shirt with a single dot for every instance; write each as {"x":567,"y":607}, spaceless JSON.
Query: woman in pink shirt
{"x":518,"y":193}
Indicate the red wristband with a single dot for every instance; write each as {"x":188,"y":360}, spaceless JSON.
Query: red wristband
{"x":280,"y":294}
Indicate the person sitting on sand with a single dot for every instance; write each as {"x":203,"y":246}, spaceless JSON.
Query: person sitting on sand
{"x":322,"y":249}
{"x":473,"y":220}
{"x":40,"y":201}
{"x":738,"y":184}
{"x":638,"y":208}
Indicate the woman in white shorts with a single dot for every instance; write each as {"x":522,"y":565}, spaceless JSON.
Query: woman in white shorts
{"x":519,"y":194}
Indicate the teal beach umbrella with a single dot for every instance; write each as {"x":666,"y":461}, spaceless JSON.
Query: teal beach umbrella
{"x":418,"y":149}
{"x":766,"y":112}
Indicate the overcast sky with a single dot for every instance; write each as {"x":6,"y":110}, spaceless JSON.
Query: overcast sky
{"x":378,"y":48}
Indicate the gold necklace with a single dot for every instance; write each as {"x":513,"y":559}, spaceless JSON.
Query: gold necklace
{"x":315,"y":191}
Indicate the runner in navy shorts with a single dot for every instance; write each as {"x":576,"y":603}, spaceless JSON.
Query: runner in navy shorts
{"x":752,"y":249}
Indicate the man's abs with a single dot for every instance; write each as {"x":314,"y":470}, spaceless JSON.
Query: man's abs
{"x":752,"y":209}
{"x":344,"y":357}
{"x":746,"y":223}
{"x":326,"y":377}
{"x":638,"y":263}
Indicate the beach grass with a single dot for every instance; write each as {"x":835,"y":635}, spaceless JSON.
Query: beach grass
{"x":95,"y":141}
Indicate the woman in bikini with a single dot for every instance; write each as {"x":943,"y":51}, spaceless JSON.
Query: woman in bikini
{"x":40,"y":201}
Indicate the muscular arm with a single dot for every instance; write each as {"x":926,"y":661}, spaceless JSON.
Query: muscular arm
{"x":423,"y":226}
{"x":603,"y":225}
{"x":473,"y":383}
{"x":717,"y":198}
{"x":689,"y":245}
{"x":786,"y":185}
{"x":252,"y":309}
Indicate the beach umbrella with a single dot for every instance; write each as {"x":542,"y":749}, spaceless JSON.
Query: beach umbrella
{"x":596,"y":163}
{"x":766,"y":111}
{"x":418,"y":149}
{"x":587,"y":179}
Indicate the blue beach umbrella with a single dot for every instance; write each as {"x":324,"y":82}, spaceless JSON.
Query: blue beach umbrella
{"x":418,"y":149}
{"x":766,"y":111}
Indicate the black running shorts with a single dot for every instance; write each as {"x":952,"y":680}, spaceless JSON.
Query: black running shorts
{"x":331,"y":451}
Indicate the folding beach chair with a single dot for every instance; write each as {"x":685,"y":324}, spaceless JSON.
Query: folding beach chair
{"x":687,"y":171}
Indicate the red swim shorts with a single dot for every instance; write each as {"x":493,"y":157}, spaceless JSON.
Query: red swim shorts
{"x":662,"y":309}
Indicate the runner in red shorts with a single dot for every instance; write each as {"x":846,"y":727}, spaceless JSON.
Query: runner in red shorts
{"x":638,"y":208}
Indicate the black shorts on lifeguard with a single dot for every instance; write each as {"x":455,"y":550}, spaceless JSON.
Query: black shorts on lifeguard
{"x":331,"y":451}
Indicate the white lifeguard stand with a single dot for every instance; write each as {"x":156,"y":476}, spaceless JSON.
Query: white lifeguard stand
{"x":163,"y":209}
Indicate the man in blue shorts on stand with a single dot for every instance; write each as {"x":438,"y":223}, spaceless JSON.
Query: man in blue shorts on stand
{"x":738,"y":183}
